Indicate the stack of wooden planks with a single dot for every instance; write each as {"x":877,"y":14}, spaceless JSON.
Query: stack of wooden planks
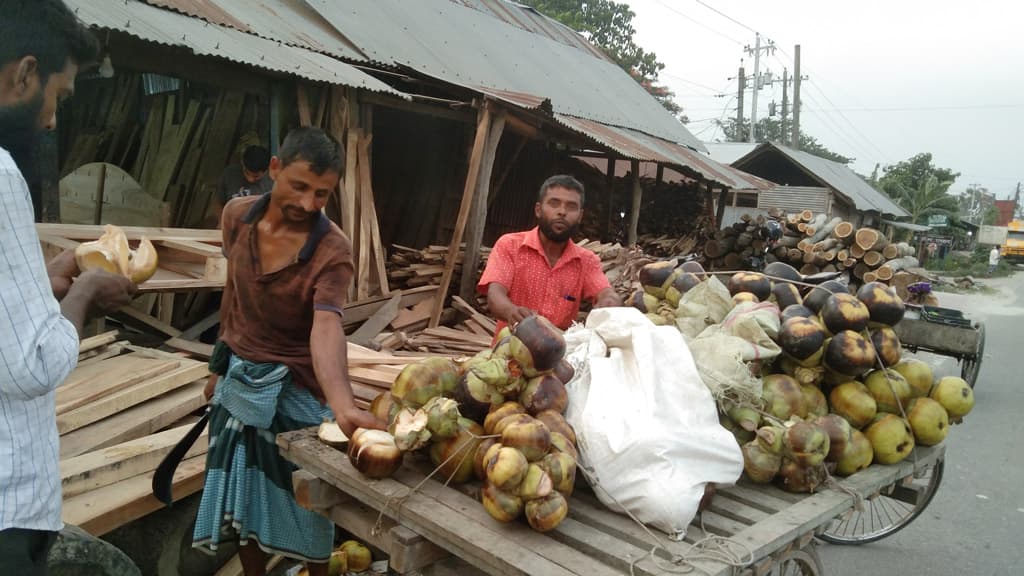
{"x":814,"y":243}
{"x":409,"y":267}
{"x":118,"y":413}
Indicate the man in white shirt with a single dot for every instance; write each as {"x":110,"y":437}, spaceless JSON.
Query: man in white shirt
{"x":993,"y":260}
{"x":41,"y":45}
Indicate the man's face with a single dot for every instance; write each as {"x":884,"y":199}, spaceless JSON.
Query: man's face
{"x":299,"y":192}
{"x":252,"y":176}
{"x":559,"y":213}
{"x":28,"y":106}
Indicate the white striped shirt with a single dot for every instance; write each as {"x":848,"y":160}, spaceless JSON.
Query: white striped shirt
{"x":38,"y":349}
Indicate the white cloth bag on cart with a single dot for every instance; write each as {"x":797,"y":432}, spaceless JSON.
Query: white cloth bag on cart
{"x":646,"y":425}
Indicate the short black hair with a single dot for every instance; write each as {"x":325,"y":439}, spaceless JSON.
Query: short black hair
{"x":256,"y":159}
{"x":561,"y":181}
{"x":315,"y":146}
{"x":48,"y":30}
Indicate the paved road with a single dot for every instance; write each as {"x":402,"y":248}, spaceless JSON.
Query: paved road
{"x":975,"y":524}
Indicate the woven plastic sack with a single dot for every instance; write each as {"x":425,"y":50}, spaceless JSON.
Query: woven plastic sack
{"x":647,"y":426}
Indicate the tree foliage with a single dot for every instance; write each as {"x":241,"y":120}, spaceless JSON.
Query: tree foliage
{"x":913,"y":173}
{"x":772,"y":130}
{"x":609,"y":26}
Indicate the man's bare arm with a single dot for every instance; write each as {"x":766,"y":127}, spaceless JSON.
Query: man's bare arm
{"x":501,"y":306}
{"x":607,"y":298}
{"x":330,"y":363}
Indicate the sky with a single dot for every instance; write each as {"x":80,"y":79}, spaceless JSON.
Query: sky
{"x":885,"y":79}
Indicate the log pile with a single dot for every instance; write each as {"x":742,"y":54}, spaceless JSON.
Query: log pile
{"x":731,"y":247}
{"x":814,"y":243}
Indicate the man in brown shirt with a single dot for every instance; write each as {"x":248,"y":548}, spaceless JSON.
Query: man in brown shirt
{"x":281,"y":356}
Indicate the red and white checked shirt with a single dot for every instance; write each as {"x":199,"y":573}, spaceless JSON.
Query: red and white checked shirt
{"x":518,"y":263}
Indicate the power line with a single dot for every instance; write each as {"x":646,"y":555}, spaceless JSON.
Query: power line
{"x":726,"y":16}
{"x":681,"y":79}
{"x":870,"y":142}
{"x":701,"y":24}
{"x":926,"y":108}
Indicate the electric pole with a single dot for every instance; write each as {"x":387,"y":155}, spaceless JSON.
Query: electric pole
{"x":795,"y":142}
{"x":756,"y":51}
{"x":785,"y":105}
{"x":742,"y":80}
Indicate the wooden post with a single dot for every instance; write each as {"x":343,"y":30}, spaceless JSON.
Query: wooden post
{"x":478,"y":218}
{"x":634,"y":213}
{"x":479,"y":142}
{"x":101,"y":183}
{"x":610,"y":180}
{"x":723,"y":197}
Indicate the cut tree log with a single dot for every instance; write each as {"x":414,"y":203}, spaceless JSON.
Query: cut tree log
{"x":806,"y":215}
{"x":827,"y":244}
{"x":796,"y":255}
{"x":900,"y":264}
{"x":870,"y":239}
{"x":843,"y":231}
{"x":870,"y":277}
{"x":842,"y":255}
{"x":891,"y":251}
{"x":789,"y":241}
{"x":830,"y":255}
{"x":857,"y":252}
{"x":718,"y":248}
{"x":829,"y":268}
{"x":825,"y":229}
{"x":816,"y":223}
{"x":873,"y":258}
{"x":860,"y":270}
{"x":808,"y":269}
{"x":884,"y":273}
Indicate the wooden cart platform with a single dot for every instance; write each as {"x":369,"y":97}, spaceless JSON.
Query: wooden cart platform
{"x":436,"y":520}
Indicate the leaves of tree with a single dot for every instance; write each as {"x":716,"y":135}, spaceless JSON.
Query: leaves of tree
{"x":772,"y":130}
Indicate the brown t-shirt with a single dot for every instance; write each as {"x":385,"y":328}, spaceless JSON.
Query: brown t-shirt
{"x":268,"y":317}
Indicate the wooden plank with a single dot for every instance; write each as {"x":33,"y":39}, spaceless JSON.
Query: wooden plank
{"x":140,"y":317}
{"x":109,"y":465}
{"x":93,"y":342}
{"x":104,"y":509}
{"x":469,"y":190}
{"x":485,"y":545}
{"x":101,"y":354}
{"x":368,"y":212}
{"x":131,"y":396}
{"x":91,"y":232}
{"x":753,"y":498}
{"x":138,"y":421}
{"x":363,"y":246}
{"x":197,"y":349}
{"x":478,"y":216}
{"x":483,"y":321}
{"x":106,"y":378}
{"x":380,"y":319}
{"x":361,"y":310}
{"x":413,"y":317}
{"x":406,"y":549}
{"x":234,"y":566}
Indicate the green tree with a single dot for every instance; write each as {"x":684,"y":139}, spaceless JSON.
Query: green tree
{"x":609,"y":26}
{"x":913,"y":173}
{"x":930,"y":197}
{"x":771,"y":130}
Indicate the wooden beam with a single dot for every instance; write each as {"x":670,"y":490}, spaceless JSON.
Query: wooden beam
{"x":723,"y":197}
{"x":478,"y":217}
{"x":634,"y":213}
{"x":469,"y":190}
{"x":380,"y":320}
{"x":134,"y":314}
{"x":610,"y":182}
{"x":463,"y":114}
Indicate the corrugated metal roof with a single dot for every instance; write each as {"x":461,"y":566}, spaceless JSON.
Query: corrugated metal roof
{"x":474,"y":49}
{"x":794,"y":198}
{"x":170,"y":28}
{"x":530,"y":19}
{"x":728,"y":152}
{"x":290,"y":21}
{"x":907,"y":226}
{"x":640,"y":146}
{"x":837,"y":176}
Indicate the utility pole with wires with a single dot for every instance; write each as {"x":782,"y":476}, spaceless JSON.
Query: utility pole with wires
{"x":795,"y":139}
{"x":785,"y":104}
{"x":756,"y":51}
{"x":742,"y":85}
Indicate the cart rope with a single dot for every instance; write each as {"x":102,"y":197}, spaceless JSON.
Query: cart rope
{"x":712,"y":547}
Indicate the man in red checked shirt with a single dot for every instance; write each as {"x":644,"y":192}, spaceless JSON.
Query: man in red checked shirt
{"x":542,"y":271}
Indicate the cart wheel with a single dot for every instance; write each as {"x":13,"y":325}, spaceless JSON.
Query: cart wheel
{"x":971,"y":365}
{"x":886,"y":514}
{"x":799,"y":563}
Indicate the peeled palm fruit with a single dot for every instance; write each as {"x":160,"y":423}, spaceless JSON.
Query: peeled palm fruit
{"x":111,"y":252}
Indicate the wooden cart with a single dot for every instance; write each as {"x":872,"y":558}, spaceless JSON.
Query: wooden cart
{"x":445,"y":530}
{"x":946,"y":332}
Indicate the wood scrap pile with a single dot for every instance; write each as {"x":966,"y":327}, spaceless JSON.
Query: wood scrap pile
{"x":118,"y":413}
{"x":410,"y":268}
{"x":814,"y":243}
{"x":177,"y":155}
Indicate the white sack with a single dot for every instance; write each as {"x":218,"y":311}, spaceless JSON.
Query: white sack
{"x":647,"y":425}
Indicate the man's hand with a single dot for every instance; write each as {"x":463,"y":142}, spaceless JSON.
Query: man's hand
{"x":607,"y":298}
{"x":107,"y":292}
{"x":211,"y":385}
{"x":95,"y":292}
{"x":61,"y":271}
{"x":353,"y":418}
{"x":516,"y":314}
